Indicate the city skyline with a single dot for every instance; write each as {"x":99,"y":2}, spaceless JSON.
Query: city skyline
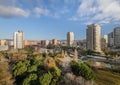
{"x":49,"y":19}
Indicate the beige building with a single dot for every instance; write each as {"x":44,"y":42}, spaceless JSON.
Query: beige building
{"x":46,"y":43}
{"x":54,"y":42}
{"x":70,"y":39}
{"x":30,"y":43}
{"x":18,"y":39}
{"x":2,"y":42}
{"x":94,"y":37}
{"x":9,"y":42}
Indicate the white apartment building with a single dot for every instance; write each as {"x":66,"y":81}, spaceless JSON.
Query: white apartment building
{"x":18,"y":39}
{"x":94,"y":37}
{"x":70,"y":39}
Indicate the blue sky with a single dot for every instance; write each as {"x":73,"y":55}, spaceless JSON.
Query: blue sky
{"x":48,"y":19}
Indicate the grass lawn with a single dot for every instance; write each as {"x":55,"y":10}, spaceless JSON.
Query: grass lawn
{"x":107,"y":78}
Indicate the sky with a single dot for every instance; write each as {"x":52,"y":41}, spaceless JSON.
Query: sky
{"x":48,"y":19}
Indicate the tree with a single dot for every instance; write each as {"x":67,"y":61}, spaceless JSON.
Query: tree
{"x":106,"y":51}
{"x":1,"y":55}
{"x":5,"y":76}
{"x":29,"y":49}
{"x":45,"y":79}
{"x":49,"y":63}
{"x":90,"y":52}
{"x":84,"y":52}
{"x":81,"y":69}
{"x":56,"y":72}
{"x":36,"y":71}
{"x":38,"y":57}
{"x":44,"y":54}
{"x":28,"y":80}
{"x":19,"y":69}
{"x":32,"y":68}
{"x":62,"y":53}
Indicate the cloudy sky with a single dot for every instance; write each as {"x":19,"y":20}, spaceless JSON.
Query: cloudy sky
{"x":48,"y":19}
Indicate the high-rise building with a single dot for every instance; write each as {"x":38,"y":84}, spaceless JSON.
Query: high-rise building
{"x":70,"y":39}
{"x":94,"y":37}
{"x":18,"y":39}
{"x":117,"y":37}
{"x":110,"y":39}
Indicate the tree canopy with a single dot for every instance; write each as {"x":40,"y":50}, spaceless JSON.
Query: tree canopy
{"x":81,"y":69}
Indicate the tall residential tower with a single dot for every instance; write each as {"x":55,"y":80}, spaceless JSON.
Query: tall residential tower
{"x":70,"y":39}
{"x":117,"y":37}
{"x":18,"y":39}
{"x":94,"y":37}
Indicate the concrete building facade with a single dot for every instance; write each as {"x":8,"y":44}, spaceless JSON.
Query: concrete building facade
{"x":2,"y":42}
{"x":110,"y":39}
{"x":46,"y":42}
{"x":30,"y":43}
{"x":18,"y":39}
{"x":54,"y":42}
{"x":94,"y":37}
{"x":106,"y":38}
{"x":117,"y":37}
{"x":10,"y":42}
{"x":70,"y":39}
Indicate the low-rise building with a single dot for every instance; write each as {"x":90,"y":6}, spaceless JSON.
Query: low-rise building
{"x":54,"y":42}
{"x":2,"y":42}
{"x":4,"y":48}
{"x":30,"y":43}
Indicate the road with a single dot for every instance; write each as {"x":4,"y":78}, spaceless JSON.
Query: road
{"x":100,"y":59}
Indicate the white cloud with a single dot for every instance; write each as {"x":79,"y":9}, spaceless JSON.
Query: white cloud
{"x":10,"y":11}
{"x":40,"y":11}
{"x":64,"y":10}
{"x":86,"y":8}
{"x":57,"y":14}
{"x":102,"y":11}
{"x":74,"y":19}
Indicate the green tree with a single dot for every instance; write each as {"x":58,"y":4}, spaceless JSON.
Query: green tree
{"x":19,"y":69}
{"x":32,"y":68}
{"x":45,"y":79}
{"x":38,"y":57}
{"x":81,"y":69}
{"x":28,"y":80}
{"x":29,"y":49}
{"x":90,"y":52}
{"x":56,"y":72}
{"x":84,"y":52}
